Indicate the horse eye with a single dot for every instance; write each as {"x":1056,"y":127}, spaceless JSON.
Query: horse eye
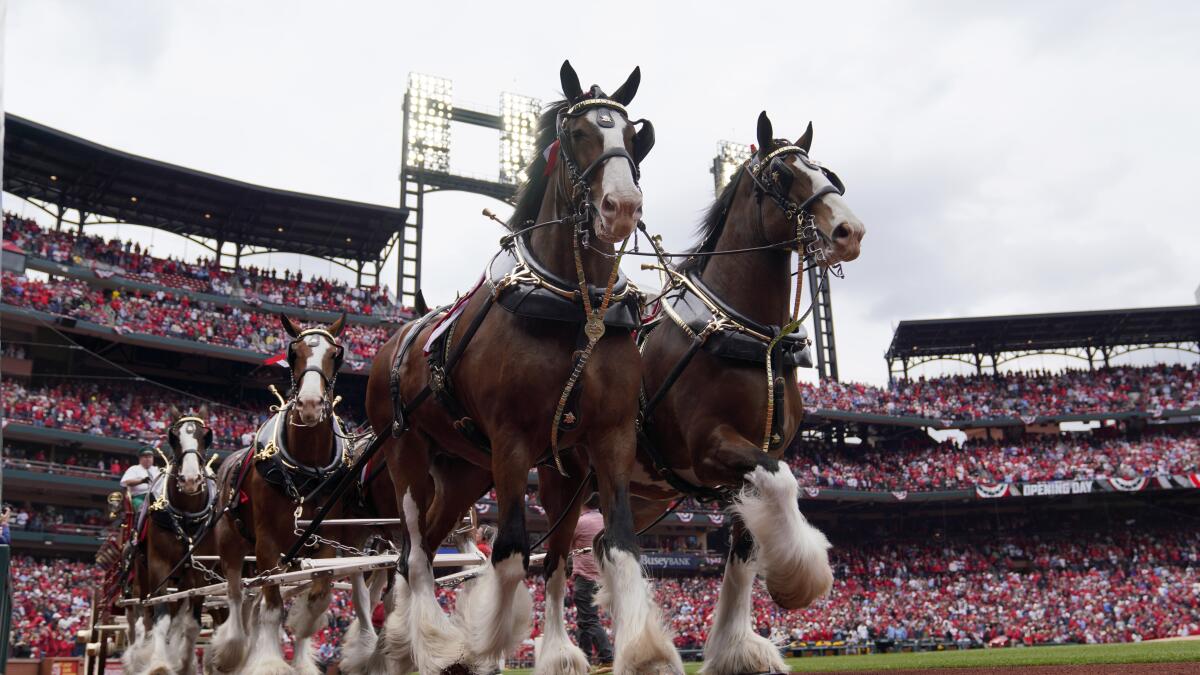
{"x":784,"y":178}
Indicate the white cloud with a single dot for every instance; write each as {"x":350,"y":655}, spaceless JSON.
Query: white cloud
{"x":1007,"y":158}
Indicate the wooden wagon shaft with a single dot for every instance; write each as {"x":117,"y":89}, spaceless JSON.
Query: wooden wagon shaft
{"x":314,"y":568}
{"x":353,"y":522}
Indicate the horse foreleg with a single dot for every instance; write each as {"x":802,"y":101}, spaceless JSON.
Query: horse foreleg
{"x":306,"y":617}
{"x":228,"y":646}
{"x":732,"y":646}
{"x":495,"y":607}
{"x":793,"y":554}
{"x":266,"y":651}
{"x":557,"y":654}
{"x":436,"y":643}
{"x":165,"y":632}
{"x":359,"y":645}
{"x":643,"y":643}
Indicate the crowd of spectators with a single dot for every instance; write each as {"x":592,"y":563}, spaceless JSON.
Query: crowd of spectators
{"x":120,"y":410}
{"x":51,"y":600}
{"x":65,"y":461}
{"x":1018,"y":589}
{"x":1018,"y":394}
{"x":165,"y":314}
{"x":946,"y":466}
{"x":129,"y":259}
{"x":1099,"y":588}
{"x":30,"y":517}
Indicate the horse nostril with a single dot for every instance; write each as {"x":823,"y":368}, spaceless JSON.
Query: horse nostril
{"x":608,"y":205}
{"x":841,"y":232}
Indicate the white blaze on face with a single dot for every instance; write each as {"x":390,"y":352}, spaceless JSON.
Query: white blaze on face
{"x":839,"y":211}
{"x":191,"y":472}
{"x":312,"y":385}
{"x":618,"y":174}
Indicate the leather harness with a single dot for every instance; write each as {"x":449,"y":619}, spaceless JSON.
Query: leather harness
{"x":270,"y":458}
{"x":517,"y":282}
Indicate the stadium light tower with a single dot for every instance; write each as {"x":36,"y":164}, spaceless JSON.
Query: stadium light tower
{"x":427,"y":137}
{"x":517,"y":138}
{"x":425,"y":160}
{"x":730,"y":157}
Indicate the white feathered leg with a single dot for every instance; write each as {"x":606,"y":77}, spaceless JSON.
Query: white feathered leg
{"x":396,"y":637}
{"x":266,"y":652}
{"x":360,"y":643}
{"x":793,"y":554}
{"x":228,"y":647}
{"x":436,"y":642}
{"x":557,"y":655}
{"x":159,"y":659}
{"x":732,"y":646}
{"x":495,"y":610}
{"x":306,"y":617}
{"x":181,"y":639}
{"x":642,"y":642}
{"x":137,"y":653}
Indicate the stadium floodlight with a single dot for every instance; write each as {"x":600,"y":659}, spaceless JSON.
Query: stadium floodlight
{"x":430,"y":103}
{"x":519,"y":116}
{"x":730,"y":157}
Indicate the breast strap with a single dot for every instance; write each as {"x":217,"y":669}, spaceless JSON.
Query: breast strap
{"x":530,"y":290}
{"x":301,"y":482}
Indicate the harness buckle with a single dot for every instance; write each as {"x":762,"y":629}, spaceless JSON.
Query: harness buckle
{"x":268,"y":451}
{"x":159,"y":504}
{"x":437,"y":379}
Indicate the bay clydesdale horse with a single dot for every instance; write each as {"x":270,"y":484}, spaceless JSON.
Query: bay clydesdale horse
{"x":715,"y":424}
{"x":177,"y":510}
{"x":296,"y":458}
{"x":553,"y":375}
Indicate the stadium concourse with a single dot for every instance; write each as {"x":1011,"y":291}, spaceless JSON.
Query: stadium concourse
{"x":1018,"y":532}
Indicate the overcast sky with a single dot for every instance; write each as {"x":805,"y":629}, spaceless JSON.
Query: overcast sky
{"x":1005,"y":157}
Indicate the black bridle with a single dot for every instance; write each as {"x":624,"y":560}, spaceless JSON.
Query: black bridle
{"x":327,"y":381}
{"x":769,"y":182}
{"x":580,"y":195}
{"x":178,"y":453}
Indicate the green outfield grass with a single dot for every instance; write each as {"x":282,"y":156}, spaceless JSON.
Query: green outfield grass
{"x":1144,"y":652}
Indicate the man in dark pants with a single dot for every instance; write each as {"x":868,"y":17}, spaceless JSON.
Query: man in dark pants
{"x":589,"y":633}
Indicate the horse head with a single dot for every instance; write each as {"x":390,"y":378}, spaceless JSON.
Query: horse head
{"x":190,"y":438}
{"x":594,"y":128}
{"x":809,"y":196}
{"x":315,"y":356}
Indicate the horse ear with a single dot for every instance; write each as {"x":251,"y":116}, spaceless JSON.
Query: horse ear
{"x":624,"y":94}
{"x":643,"y":140}
{"x":335,"y":329}
{"x":765,"y":133}
{"x":805,"y":141}
{"x":173,"y":412}
{"x":570,"y":81}
{"x":203,"y":412}
{"x":291,"y":328}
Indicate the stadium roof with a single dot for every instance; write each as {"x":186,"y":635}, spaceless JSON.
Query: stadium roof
{"x":1045,"y":332}
{"x":51,"y":166}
